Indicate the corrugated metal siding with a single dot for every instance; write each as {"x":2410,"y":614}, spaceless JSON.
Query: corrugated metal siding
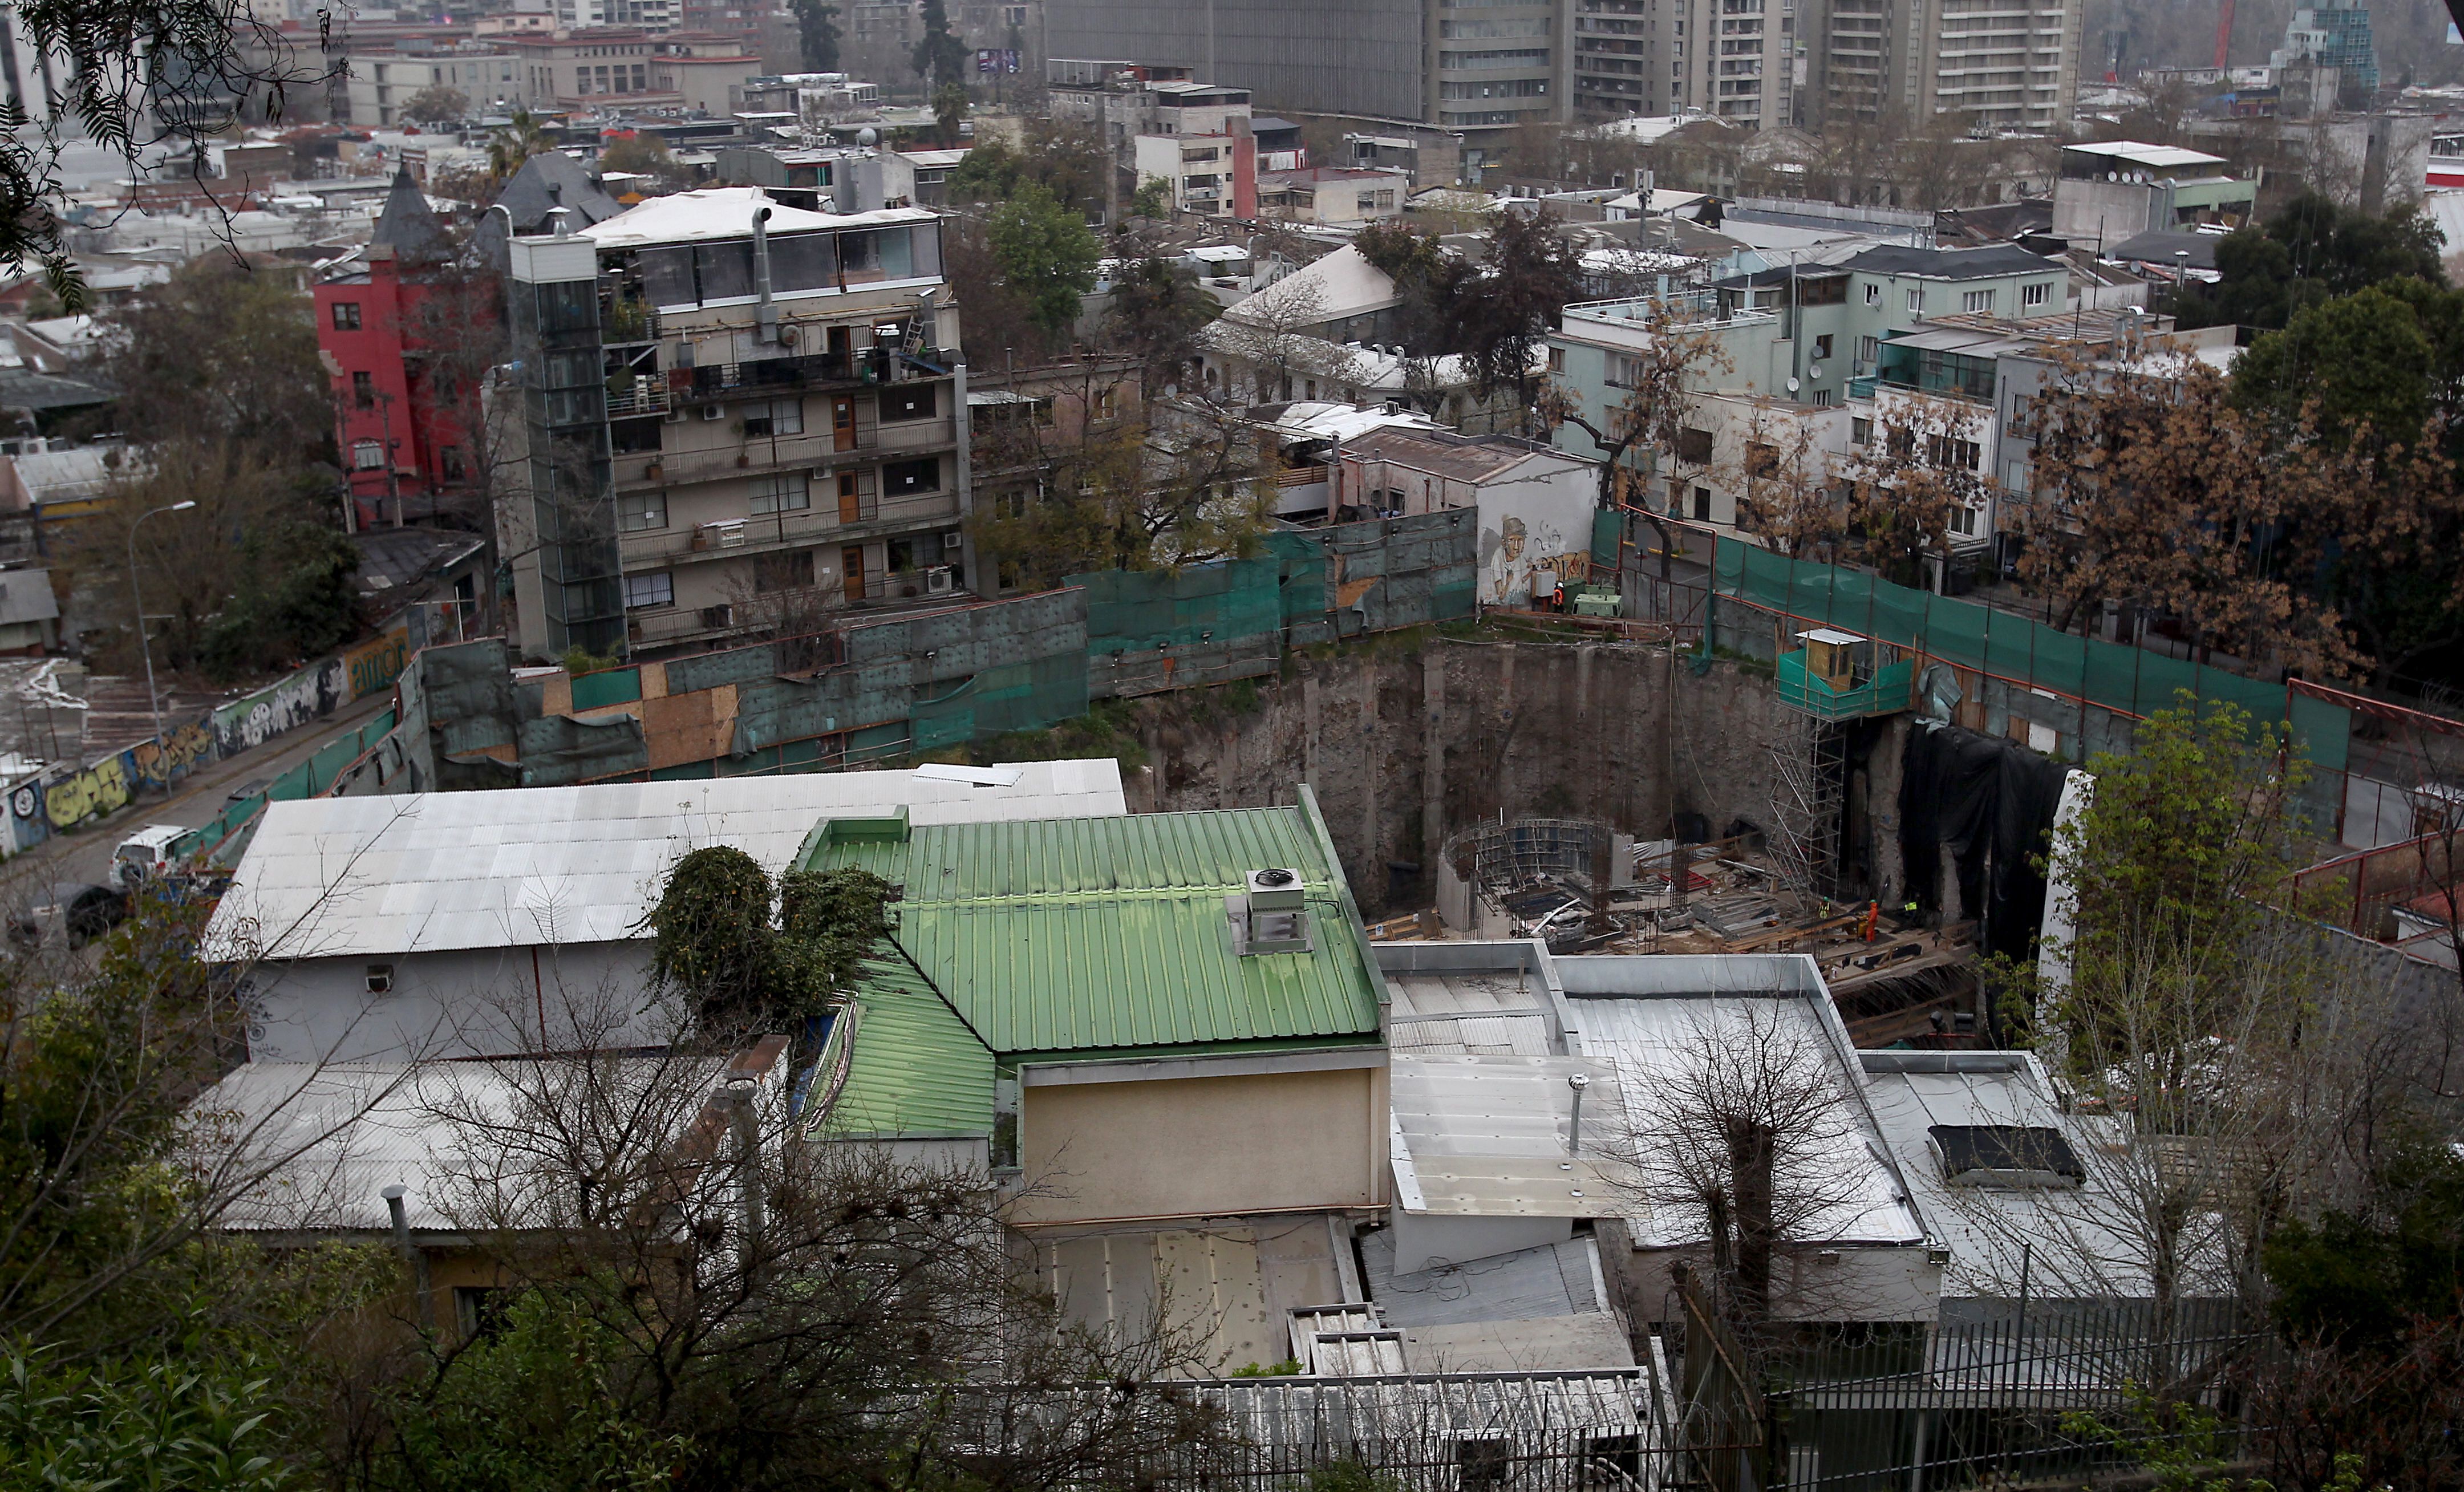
{"x":1056,"y":936}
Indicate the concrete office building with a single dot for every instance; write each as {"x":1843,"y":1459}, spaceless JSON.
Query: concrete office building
{"x":1479,"y":69}
{"x":2003,"y":64}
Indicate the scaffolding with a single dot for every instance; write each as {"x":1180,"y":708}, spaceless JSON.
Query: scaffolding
{"x":1809,"y":765}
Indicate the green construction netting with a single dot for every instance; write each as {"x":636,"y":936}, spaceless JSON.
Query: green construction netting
{"x":1132,"y":609}
{"x":2129,"y":680}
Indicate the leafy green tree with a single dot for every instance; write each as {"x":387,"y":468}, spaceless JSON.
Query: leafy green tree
{"x":1047,"y":255}
{"x":950,"y":111}
{"x":1151,"y":200}
{"x":523,"y":137}
{"x":817,"y":34}
{"x":536,"y":1402}
{"x":643,"y":155}
{"x":940,"y":57}
{"x":2307,"y":252}
{"x":2359,"y":360}
{"x":714,"y":938}
{"x":1157,"y":313}
{"x":2374,"y":381}
{"x":711,"y":935}
{"x":295,"y":600}
{"x":1067,"y":159}
{"x":1500,"y":319}
{"x":438,"y":105}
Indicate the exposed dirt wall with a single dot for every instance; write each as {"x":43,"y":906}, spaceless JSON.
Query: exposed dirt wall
{"x":1408,"y":738}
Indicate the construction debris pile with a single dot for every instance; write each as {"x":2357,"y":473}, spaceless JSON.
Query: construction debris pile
{"x":1580,"y":887}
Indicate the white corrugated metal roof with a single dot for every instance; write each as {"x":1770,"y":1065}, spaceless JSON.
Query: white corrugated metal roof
{"x":1652,"y":1040}
{"x":2067,"y":1241}
{"x":312,"y":1147}
{"x":726,"y":212}
{"x":512,"y":867}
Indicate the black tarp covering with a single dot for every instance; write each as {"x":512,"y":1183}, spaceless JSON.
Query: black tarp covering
{"x":1991,"y":802}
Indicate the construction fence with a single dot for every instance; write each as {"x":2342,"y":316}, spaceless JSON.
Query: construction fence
{"x":884,"y":687}
{"x":2379,"y":772}
{"x":1149,"y":631}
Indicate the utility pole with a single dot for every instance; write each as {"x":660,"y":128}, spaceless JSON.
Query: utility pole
{"x":144,"y":644}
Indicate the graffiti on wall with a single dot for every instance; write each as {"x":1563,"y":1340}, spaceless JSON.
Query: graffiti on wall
{"x":308,"y":695}
{"x":375,"y":665}
{"x":157,"y":763}
{"x":82,"y":795}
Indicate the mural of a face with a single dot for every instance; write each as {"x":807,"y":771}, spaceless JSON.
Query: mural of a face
{"x":1514,"y":539}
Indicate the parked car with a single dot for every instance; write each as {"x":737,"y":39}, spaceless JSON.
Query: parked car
{"x":146,"y":852}
{"x":82,"y":910}
{"x":251,"y":788}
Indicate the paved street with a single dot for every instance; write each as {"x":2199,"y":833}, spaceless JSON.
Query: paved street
{"x":85,"y":854}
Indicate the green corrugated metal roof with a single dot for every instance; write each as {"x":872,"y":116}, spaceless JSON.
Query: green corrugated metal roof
{"x":1070,"y":934}
{"x":910,"y":1066}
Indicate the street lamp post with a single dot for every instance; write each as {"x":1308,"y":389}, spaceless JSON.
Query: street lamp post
{"x":153,"y":700}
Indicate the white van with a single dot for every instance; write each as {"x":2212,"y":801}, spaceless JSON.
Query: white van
{"x":143,"y":854}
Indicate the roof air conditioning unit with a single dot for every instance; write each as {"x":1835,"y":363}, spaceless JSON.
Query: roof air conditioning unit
{"x":1270,"y":918}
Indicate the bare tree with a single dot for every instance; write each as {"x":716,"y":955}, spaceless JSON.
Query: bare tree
{"x":1788,"y":495}
{"x":1663,"y":382}
{"x":1749,"y":1137}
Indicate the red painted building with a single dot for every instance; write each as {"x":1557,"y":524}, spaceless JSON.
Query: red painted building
{"x":394,"y":332}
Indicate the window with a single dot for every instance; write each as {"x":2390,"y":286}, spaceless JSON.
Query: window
{"x":1825,"y":398}
{"x":347,"y":315}
{"x":786,"y":492}
{"x":1762,"y":459}
{"x":1977,"y":302}
{"x":364,"y":390}
{"x":380,"y":977}
{"x":1868,"y":348}
{"x":1702,"y":504}
{"x":2037,"y":295}
{"x":789,"y":571}
{"x":909,"y":402}
{"x":1860,"y":431}
{"x":1963,"y":521}
{"x":1949,"y":450}
{"x":656,"y":589}
{"x":367,"y":455}
{"x":899,"y":478}
{"x":1822,"y":348}
{"x":1916,"y":297}
{"x":449,"y":461}
{"x":1694,"y":446}
{"x":2006,"y":1155}
{"x":774,"y":417}
{"x":1873,"y":294}
{"x":639,"y":513}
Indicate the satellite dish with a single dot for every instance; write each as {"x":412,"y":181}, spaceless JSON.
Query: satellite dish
{"x":1814,"y":372}
{"x":868,"y":136}
{"x":1792,"y":386}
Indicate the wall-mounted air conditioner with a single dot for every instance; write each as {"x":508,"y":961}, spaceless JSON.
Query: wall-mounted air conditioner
{"x":938,"y":582}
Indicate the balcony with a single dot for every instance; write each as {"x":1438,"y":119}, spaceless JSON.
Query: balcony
{"x":1832,"y":676}
{"x":813,"y":370}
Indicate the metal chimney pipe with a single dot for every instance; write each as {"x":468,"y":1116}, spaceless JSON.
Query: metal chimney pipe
{"x":767,"y":317}
{"x":1578,"y":1082}
{"x":411,"y":1254}
{"x":744,"y":1120}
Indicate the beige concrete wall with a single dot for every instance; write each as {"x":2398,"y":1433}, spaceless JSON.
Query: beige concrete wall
{"x":1203,"y":1146}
